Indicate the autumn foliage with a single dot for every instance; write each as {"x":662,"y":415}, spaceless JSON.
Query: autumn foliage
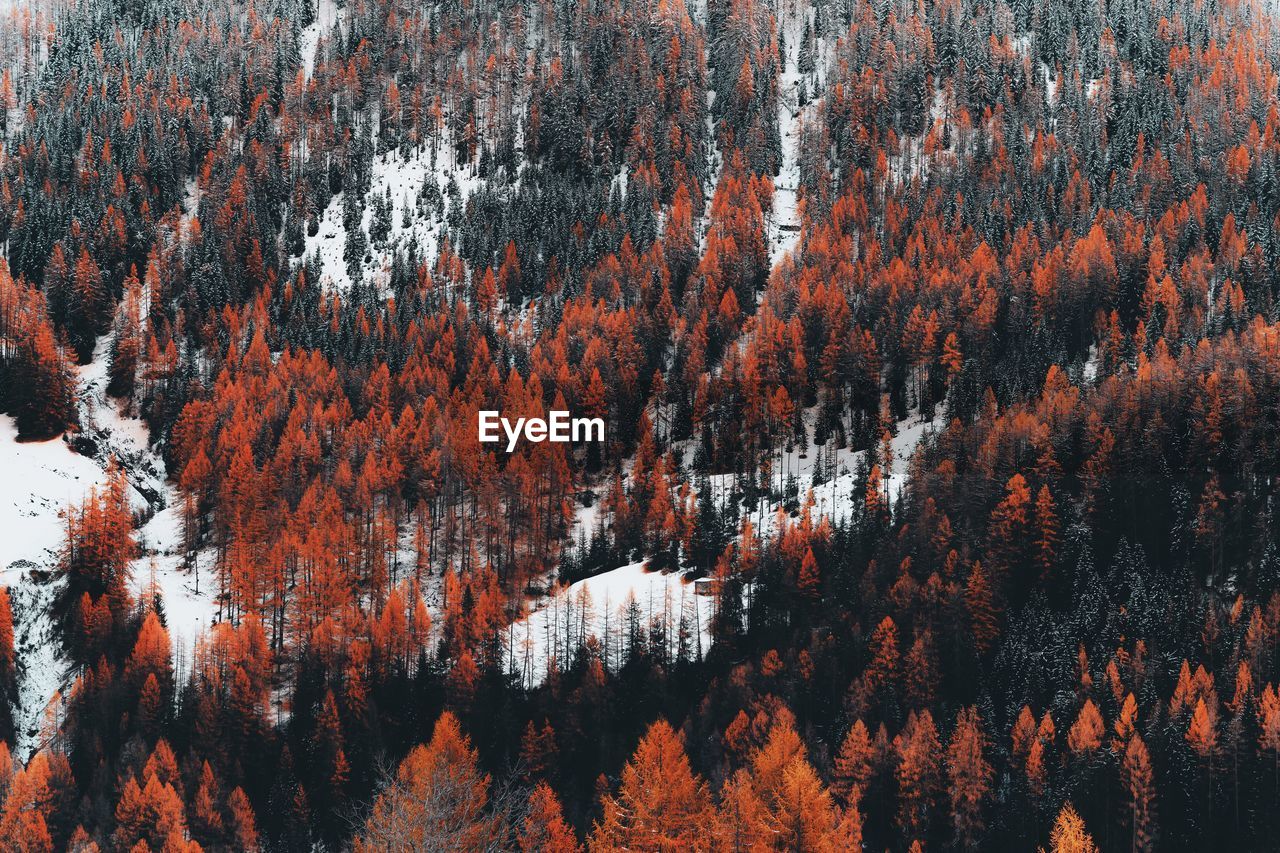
{"x":938,"y":353}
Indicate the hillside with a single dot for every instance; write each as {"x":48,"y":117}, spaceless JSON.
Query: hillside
{"x":936,"y":350}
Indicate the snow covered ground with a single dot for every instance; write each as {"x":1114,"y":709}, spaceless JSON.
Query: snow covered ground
{"x":126,"y":440}
{"x":188,"y":612}
{"x":559,"y":623}
{"x":784,"y":231}
{"x":597,"y":607}
{"x":41,"y":480}
{"x":327,"y":16}
{"x":837,"y":495}
{"x":403,"y":180}
{"x":117,"y":436}
{"x":42,"y":668}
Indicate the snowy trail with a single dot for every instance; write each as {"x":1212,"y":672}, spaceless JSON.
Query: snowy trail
{"x":784,"y":229}
{"x":327,"y":15}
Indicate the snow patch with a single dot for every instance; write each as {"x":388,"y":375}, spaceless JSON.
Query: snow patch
{"x":190,"y":608}
{"x":403,"y":179}
{"x":832,"y":473}
{"x":41,"y":479}
{"x":328,"y":16}
{"x":42,"y":669}
{"x":119,"y":437}
{"x":597,"y":607}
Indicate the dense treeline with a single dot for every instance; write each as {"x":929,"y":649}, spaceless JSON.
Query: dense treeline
{"x":763,"y":241}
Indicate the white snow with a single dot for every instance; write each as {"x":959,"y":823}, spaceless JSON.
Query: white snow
{"x":908,"y":437}
{"x":160,"y":537}
{"x":122,"y":438}
{"x":586,"y":521}
{"x":190,"y":201}
{"x":597,"y":607}
{"x":41,"y":479}
{"x":1050,"y":85}
{"x":404,"y":178}
{"x":42,"y":669}
{"x":839,"y":492}
{"x":328,"y":15}
{"x":187,"y":614}
{"x":1090,"y":372}
{"x":785,"y":223}
{"x":327,"y":246}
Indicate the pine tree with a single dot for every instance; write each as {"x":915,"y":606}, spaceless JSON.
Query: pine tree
{"x":983,"y":612}
{"x":918,"y":774}
{"x":661,"y":804}
{"x":1069,"y":834}
{"x":1085,"y":734}
{"x":1139,"y":780}
{"x":1007,"y":532}
{"x":970,"y":777}
{"x":854,"y":765}
{"x":241,"y":823}
{"x":544,"y":828}
{"x":1046,"y":546}
{"x":437,"y":799}
{"x":779,"y":797}
{"x":151,"y":813}
{"x":537,"y":750}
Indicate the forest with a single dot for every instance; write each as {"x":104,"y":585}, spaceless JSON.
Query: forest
{"x":938,"y":348}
